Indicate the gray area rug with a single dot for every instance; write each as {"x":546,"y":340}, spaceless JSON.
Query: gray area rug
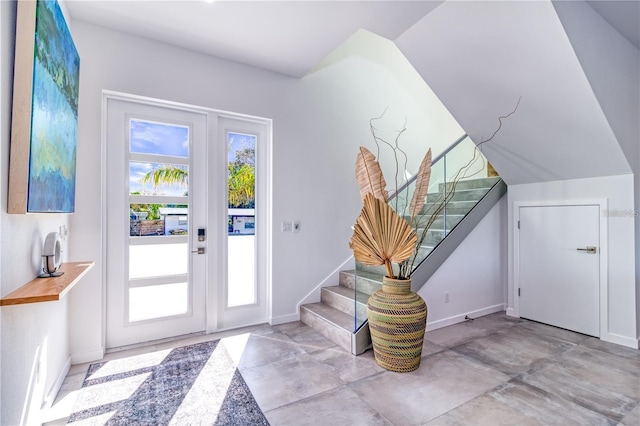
{"x":195,"y":384}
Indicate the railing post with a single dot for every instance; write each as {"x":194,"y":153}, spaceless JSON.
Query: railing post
{"x":444,"y":210}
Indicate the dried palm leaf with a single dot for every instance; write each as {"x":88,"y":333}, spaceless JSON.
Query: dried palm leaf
{"x":381,"y":236}
{"x":422,"y":186}
{"x":369,"y":176}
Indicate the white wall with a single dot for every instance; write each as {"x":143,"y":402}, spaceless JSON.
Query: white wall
{"x":474,"y":275}
{"x":318,"y":123}
{"x":612,"y":66}
{"x":33,"y":337}
{"x":618,"y":190}
{"x":366,"y":62}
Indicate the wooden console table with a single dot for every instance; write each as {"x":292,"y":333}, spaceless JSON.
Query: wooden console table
{"x":48,"y":289}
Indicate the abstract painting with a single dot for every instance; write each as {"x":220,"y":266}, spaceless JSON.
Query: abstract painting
{"x":45,"y":112}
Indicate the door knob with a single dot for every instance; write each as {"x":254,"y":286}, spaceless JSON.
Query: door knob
{"x":589,"y":249}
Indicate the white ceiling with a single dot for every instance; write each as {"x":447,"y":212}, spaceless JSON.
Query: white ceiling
{"x":288,"y":37}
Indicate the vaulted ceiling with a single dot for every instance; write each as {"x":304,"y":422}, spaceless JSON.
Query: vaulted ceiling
{"x":479,"y":57}
{"x":288,"y":37}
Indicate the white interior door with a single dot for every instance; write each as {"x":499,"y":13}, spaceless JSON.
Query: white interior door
{"x":156,"y":203}
{"x":559,"y":276}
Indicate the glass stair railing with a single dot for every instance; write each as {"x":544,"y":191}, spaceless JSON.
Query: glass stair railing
{"x":460,"y":178}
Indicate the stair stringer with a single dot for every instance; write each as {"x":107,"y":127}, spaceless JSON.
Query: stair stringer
{"x":448,"y":245}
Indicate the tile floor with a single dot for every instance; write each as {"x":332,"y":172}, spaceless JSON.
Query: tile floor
{"x":494,"y":370}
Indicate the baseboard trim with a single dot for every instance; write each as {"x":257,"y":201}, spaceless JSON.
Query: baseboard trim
{"x":461,"y":317}
{"x":629,"y":342}
{"x":55,"y":388}
{"x":284,"y":319}
{"x":90,"y":356}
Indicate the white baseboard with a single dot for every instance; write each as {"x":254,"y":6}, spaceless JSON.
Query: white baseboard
{"x":461,"y":317}
{"x":284,"y":319}
{"x":621,"y":340}
{"x":90,"y":356}
{"x":55,"y":388}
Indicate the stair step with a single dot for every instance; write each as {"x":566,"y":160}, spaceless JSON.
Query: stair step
{"x":335,"y":325}
{"x":458,"y":195}
{"x":433,"y":237}
{"x":370,"y":277}
{"x":473,"y":183}
{"x":368,"y":282}
{"x":381,"y":270}
{"x":454,"y":207}
{"x":345,"y":299}
{"x":451,"y":219}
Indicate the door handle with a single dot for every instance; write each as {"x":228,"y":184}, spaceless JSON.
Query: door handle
{"x":199,"y":251}
{"x":589,"y":249}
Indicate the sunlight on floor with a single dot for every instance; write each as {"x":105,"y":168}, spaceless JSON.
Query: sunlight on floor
{"x":119,"y":379}
{"x":130,"y":364}
{"x":235,"y":346}
{"x":205,"y":398}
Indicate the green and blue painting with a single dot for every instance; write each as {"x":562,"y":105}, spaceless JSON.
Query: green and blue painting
{"x":54,"y":114}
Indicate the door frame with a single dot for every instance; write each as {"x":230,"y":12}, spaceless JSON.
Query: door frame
{"x":216,"y":182}
{"x":603,"y":255}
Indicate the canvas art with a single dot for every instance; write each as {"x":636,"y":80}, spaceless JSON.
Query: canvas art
{"x":45,"y":114}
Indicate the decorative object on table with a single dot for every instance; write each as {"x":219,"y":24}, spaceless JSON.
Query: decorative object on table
{"x":42,"y":169}
{"x":51,"y":256}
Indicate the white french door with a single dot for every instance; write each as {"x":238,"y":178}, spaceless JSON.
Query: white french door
{"x":156,"y":221}
{"x":241,"y":201}
{"x":187,"y":220}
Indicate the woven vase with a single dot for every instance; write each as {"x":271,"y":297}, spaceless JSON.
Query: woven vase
{"x":397,"y":321}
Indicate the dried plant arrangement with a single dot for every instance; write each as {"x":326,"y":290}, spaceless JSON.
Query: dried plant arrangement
{"x":384,"y":235}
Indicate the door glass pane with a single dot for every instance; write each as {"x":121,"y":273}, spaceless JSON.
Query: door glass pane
{"x":241,"y":277}
{"x":157,"y":260}
{"x":147,"y":137}
{"x":158,"y":242}
{"x":154,"y":220}
{"x":158,"y":301}
{"x":147,"y":178}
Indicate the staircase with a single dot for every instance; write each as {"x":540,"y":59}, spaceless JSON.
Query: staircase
{"x":342,"y":310}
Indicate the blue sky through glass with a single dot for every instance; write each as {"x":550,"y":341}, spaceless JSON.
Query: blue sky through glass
{"x":157,"y":138}
{"x":238,"y":141}
{"x":161,"y":139}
